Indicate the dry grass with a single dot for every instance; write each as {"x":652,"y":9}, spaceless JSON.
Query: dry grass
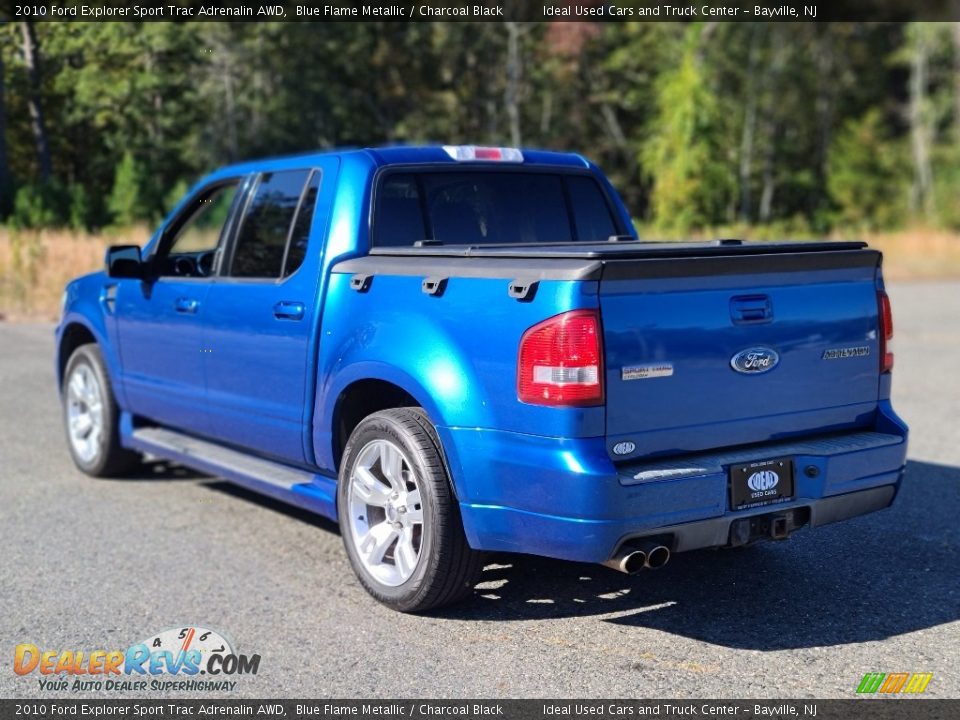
{"x":918,"y":254}
{"x":35,"y":265}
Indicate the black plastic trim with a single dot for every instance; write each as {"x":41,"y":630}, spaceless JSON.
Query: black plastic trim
{"x":636,"y":250}
{"x":738,"y":264}
{"x":591,"y":264}
{"x":360,"y":282}
{"x":434,"y":285}
{"x":502,"y":268}
{"x":715,"y":532}
{"x":522,"y":289}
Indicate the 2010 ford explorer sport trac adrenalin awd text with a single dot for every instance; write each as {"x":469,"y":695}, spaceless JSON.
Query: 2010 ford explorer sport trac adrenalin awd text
{"x":462,"y":349}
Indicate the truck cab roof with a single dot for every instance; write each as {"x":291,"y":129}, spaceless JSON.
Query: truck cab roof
{"x":402,"y":155}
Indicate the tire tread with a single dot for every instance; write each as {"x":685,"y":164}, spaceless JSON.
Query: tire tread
{"x":116,"y":459}
{"x":455,"y":567}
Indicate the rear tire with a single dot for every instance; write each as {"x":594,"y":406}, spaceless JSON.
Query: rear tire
{"x":91,"y":416}
{"x":399,"y":518}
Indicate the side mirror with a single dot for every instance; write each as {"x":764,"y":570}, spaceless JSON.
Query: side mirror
{"x":123,"y":261}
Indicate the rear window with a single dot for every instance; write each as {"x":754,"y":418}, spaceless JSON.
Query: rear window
{"x":275,"y":228}
{"x":486,"y":208}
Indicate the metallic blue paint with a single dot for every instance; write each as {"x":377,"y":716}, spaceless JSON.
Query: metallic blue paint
{"x":564,"y":498}
{"x":528,"y":478}
{"x":83,"y":307}
{"x":161,"y":351}
{"x":258,"y":366}
{"x":687,"y":322}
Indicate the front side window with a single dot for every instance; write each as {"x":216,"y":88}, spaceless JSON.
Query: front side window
{"x":459,"y":207}
{"x":268,"y":223}
{"x":191,"y":249}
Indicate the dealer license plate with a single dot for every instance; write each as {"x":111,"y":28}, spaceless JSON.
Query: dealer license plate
{"x":764,"y":482}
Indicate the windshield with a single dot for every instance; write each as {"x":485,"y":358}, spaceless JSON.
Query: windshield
{"x":486,"y":208}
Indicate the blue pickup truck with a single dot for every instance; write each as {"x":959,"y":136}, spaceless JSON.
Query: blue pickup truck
{"x":460,"y":349}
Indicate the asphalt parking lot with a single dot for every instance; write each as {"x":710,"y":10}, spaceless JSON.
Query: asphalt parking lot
{"x":100,"y":564}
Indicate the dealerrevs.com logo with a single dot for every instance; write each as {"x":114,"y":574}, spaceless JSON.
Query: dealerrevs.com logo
{"x":189,"y":658}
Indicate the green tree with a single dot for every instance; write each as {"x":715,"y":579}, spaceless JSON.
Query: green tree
{"x":867,"y":172}
{"x":81,"y":209}
{"x":697,"y":125}
{"x":40,"y":204}
{"x":685,"y":151}
{"x":125,"y":203}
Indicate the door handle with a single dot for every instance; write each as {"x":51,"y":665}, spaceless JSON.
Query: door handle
{"x":288,"y":310}
{"x":747,"y":309}
{"x":186,"y":305}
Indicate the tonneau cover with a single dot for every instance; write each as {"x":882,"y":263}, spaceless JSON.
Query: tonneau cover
{"x":633,"y":249}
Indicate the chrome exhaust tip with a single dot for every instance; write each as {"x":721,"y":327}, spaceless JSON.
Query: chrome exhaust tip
{"x":656,"y":554}
{"x":657,"y":557}
{"x":628,"y":560}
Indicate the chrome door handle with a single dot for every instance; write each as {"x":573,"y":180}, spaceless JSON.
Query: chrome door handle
{"x":287,"y":310}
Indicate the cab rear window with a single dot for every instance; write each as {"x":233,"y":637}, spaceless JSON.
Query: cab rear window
{"x":487,"y":208}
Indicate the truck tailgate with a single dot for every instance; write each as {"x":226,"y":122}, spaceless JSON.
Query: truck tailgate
{"x":734,"y":349}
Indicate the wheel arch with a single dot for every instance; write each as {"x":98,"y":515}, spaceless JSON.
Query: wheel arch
{"x":363,"y":390}
{"x":358,"y":400}
{"x":73,"y":335}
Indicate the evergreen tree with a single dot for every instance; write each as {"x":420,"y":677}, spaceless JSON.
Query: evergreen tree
{"x":125,"y":203}
{"x":868,"y":175}
{"x":698,"y":125}
{"x":685,"y":151}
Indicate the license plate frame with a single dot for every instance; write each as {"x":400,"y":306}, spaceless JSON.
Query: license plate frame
{"x":761,"y":482}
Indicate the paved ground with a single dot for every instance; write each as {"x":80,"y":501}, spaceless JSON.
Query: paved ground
{"x":90,"y":564}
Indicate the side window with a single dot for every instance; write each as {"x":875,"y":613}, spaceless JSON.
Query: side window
{"x":262,"y":238}
{"x":590,"y":211}
{"x":297,"y":247}
{"x":191,"y":251}
{"x":399,"y":220}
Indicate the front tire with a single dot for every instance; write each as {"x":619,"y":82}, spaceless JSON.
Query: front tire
{"x":399,"y":519}
{"x":91,"y":416}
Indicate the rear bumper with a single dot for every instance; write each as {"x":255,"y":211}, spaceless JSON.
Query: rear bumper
{"x":716,"y":532}
{"x":566,"y":499}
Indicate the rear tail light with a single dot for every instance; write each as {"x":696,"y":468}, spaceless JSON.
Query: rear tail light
{"x":886,"y":332}
{"x":561,"y":361}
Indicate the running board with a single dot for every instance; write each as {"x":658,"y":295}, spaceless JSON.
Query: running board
{"x":311,"y":491}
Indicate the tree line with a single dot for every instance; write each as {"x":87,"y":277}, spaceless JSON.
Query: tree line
{"x":797,"y":127}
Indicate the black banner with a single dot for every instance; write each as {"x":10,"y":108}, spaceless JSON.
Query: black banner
{"x":482,"y":10}
{"x":855,"y":709}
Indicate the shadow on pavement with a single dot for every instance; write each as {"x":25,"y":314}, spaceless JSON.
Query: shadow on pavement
{"x":279,"y":506}
{"x":158,"y":470}
{"x":893,"y":572}
{"x":881,"y":575}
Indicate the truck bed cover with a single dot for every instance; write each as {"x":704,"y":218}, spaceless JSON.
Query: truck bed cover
{"x":611,"y":260}
{"x":637,"y":249}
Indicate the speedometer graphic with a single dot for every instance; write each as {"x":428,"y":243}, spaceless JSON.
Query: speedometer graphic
{"x":181,"y":640}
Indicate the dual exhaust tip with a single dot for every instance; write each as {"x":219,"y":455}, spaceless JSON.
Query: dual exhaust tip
{"x":631,"y":558}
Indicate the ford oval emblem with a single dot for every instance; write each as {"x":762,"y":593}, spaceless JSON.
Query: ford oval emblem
{"x":763,"y":480}
{"x":624,"y":448}
{"x":755,"y":360}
